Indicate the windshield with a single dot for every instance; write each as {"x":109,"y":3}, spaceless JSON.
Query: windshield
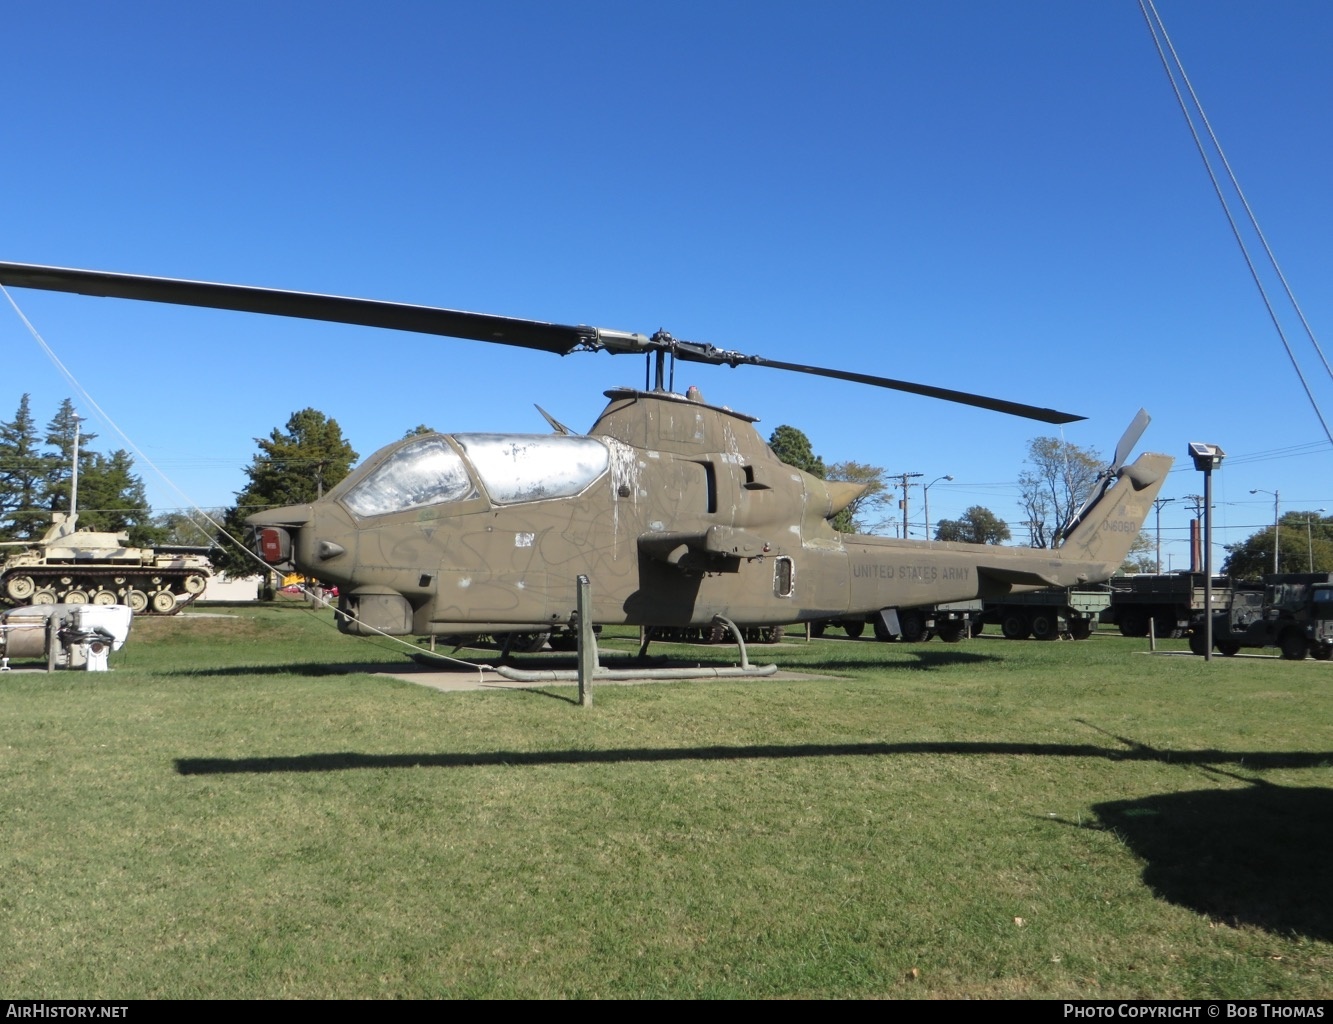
{"x":531,"y":467}
{"x":425,"y":472}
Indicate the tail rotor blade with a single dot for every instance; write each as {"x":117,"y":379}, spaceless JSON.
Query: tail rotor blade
{"x":1129,"y":439}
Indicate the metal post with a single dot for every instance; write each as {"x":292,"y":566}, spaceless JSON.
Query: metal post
{"x":587,"y":642}
{"x":1208,"y":564}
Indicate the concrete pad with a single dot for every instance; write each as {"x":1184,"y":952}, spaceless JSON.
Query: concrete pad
{"x":484,"y":677}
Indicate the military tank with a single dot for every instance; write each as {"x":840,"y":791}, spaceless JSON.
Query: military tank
{"x":72,"y":566}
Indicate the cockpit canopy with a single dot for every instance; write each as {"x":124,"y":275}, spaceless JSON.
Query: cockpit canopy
{"x":512,"y":468}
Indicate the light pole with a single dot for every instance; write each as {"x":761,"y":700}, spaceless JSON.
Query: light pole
{"x":925,"y":499}
{"x":1276,"y":541}
{"x":1207,"y":457}
{"x":1157,"y":504}
{"x":1309,"y":537}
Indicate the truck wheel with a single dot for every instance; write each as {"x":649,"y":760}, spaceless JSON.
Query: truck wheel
{"x":1045,"y":624}
{"x":1198,"y":643}
{"x":913,"y":627}
{"x":1080,"y":629}
{"x":882,"y":633}
{"x":1164,"y":626}
{"x":953,"y":631}
{"x":1015,"y":626}
{"x":1230,"y":648}
{"x":1322,"y":652}
{"x":854,"y":628}
{"x":1294,"y":646}
{"x":817,"y":629}
{"x":1133,"y":622}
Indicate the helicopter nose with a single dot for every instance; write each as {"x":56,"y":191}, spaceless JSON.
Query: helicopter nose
{"x":275,"y":545}
{"x":275,"y":530}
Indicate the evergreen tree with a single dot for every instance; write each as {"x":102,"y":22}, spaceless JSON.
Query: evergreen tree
{"x":295,"y":466}
{"x":794,"y":448}
{"x":112,"y":498}
{"x":22,"y":476}
{"x":60,"y":436}
{"x":36,"y":482}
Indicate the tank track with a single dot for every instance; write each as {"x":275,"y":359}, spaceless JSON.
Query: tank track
{"x":145,"y":590}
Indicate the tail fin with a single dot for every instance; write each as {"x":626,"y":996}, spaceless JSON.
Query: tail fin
{"x":1108,"y":527}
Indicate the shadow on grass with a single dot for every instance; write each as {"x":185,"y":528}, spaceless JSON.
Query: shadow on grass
{"x":1254,"y":856}
{"x":1258,"y":760}
{"x":307,"y":668}
{"x":928,"y":659}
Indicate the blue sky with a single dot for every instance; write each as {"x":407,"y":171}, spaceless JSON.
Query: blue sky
{"x":1000,"y":198}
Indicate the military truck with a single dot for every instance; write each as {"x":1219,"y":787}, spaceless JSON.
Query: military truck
{"x":72,"y":566}
{"x":1169,"y":602}
{"x":1292,"y":611}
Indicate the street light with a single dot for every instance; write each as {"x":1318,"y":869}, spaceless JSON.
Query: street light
{"x":1309,"y":537}
{"x":1276,"y":544}
{"x":1207,"y":457}
{"x":925,"y":499}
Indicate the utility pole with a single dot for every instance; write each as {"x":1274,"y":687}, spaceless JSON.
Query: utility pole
{"x":1157,"y":504}
{"x":1197,"y":505}
{"x":906,"y":479}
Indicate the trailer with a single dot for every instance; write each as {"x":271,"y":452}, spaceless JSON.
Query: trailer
{"x":1044,"y":614}
{"x":1168,"y":602}
{"x":1049,"y":614}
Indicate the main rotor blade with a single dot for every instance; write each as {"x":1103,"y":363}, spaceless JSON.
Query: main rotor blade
{"x":560,"y":339}
{"x":707,"y":354}
{"x":452,"y":323}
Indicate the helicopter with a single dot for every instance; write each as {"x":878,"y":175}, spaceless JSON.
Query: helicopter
{"x":674,"y":508}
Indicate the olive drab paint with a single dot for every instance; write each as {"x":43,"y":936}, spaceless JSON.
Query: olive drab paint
{"x":675,"y":509}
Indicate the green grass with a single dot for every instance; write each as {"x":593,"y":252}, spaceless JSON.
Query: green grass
{"x":232,"y":813}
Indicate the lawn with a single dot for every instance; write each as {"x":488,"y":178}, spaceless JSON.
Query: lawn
{"x":239,"y":809}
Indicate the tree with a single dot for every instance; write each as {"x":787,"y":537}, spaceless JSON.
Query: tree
{"x":1142,"y":556}
{"x":978,"y":525}
{"x":36,"y":482}
{"x":112,"y":498}
{"x":1062,"y":476}
{"x":23,"y":470}
{"x":295,"y":466}
{"x":874,"y":497}
{"x":61,"y":434}
{"x":187,"y":528}
{"x":794,"y":448}
{"x":1302,"y":535}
